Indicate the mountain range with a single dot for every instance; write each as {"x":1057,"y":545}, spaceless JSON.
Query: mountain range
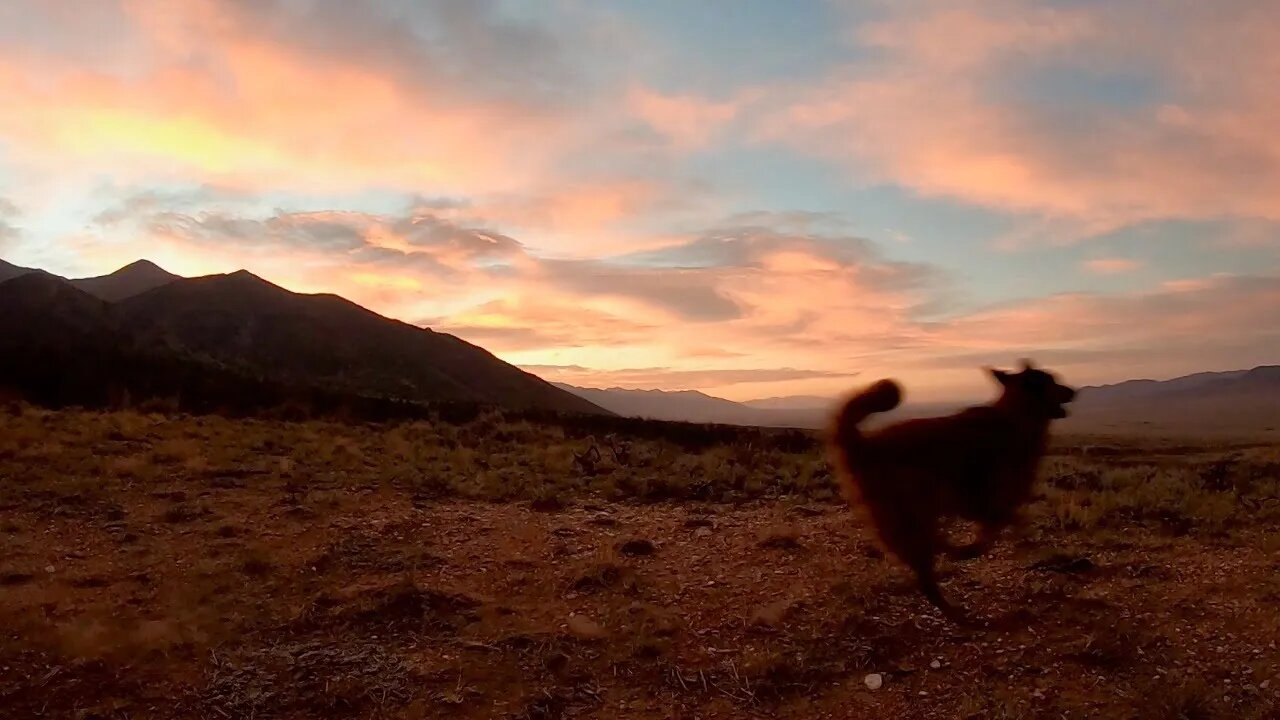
{"x":63,"y":337}
{"x":1231,"y":402}
{"x":237,"y":340}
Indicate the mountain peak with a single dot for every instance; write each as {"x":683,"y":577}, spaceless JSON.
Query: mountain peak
{"x":244,"y":279}
{"x":142,"y":265}
{"x":243,"y":274}
{"x":133,"y":279}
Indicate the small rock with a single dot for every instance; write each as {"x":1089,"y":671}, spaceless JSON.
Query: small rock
{"x":935,"y":664}
{"x":1264,"y":684}
{"x":702,"y":532}
{"x":49,"y":568}
{"x":637,"y":547}
{"x":771,"y":615}
{"x":585,"y":628}
{"x":874,"y":681}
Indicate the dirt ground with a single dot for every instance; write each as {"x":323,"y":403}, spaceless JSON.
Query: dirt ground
{"x":223,"y":585}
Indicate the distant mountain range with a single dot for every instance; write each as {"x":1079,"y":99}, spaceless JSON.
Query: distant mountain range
{"x":130,"y":280}
{"x":1232,"y":402}
{"x":239,"y":341}
{"x":1228,"y":402}
{"x":694,"y":406}
{"x":70,"y":340}
{"x":800,"y":411}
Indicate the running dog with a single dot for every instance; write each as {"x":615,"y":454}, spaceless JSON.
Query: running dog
{"x":978,"y":464}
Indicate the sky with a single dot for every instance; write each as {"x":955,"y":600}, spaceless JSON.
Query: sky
{"x":749,"y":198}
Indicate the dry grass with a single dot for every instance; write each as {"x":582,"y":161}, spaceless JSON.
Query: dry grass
{"x":202,"y":567}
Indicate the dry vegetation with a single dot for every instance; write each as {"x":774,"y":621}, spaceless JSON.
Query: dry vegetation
{"x":160,"y":567}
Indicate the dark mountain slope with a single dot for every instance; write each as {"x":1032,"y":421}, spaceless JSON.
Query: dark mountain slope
{"x":40,"y":307}
{"x":133,"y":279}
{"x":683,"y":405}
{"x":60,"y":345}
{"x":247,"y":324}
{"x":9,"y":271}
{"x":1238,"y":401}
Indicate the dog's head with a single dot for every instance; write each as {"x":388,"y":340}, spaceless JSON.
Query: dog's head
{"x":1035,"y":391}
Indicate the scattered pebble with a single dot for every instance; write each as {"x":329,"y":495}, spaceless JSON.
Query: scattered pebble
{"x":49,"y":568}
{"x":935,"y":664}
{"x":874,"y":681}
{"x":585,"y":628}
{"x":702,"y":532}
{"x":637,"y":547}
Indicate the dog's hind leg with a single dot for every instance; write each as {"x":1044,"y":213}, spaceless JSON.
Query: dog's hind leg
{"x":921,"y":564}
{"x":919,"y":556}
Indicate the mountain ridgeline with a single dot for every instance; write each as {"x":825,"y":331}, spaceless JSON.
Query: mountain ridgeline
{"x":1232,"y":402}
{"x":239,"y":343}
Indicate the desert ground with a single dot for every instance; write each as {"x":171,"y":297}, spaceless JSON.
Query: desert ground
{"x":158,"y":566}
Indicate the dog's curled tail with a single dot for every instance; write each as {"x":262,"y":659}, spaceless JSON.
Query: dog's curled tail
{"x":883,"y":396}
{"x":845,"y":438}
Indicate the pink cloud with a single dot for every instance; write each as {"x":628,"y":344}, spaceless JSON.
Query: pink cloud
{"x":936,"y":110}
{"x":688,"y":121}
{"x":1111,"y":265}
{"x":264,"y":97}
{"x":259,"y":113}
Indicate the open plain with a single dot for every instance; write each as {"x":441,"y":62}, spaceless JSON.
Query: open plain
{"x":161,"y":566}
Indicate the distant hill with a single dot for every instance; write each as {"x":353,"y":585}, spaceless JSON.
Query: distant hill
{"x":242,"y":332}
{"x":130,"y":280}
{"x":1135,"y":389}
{"x":126,"y":282}
{"x":1233,"y":402}
{"x":61,"y":346}
{"x":42,"y":308}
{"x":680,"y":405}
{"x":698,"y":407}
{"x":792,"y":402}
{"x":809,"y":412}
{"x":9,"y":271}
{"x":247,"y":323}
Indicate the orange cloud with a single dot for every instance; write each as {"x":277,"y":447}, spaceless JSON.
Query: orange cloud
{"x":689,"y":122}
{"x":941,"y":110}
{"x":574,"y":208}
{"x":1111,"y":266}
{"x":261,"y":114}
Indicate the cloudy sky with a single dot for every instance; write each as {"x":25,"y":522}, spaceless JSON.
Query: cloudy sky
{"x":747,"y":197}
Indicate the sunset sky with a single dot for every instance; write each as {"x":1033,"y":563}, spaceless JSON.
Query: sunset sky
{"x":751,"y":198}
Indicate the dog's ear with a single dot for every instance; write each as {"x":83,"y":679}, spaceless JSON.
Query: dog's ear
{"x":1001,"y":376}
